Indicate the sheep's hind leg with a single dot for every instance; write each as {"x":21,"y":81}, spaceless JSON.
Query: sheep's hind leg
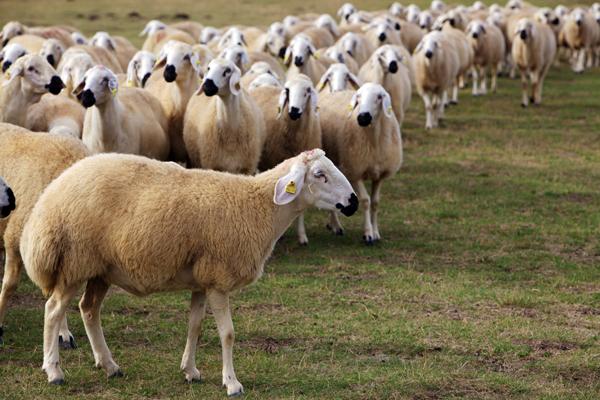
{"x":219,"y":304}
{"x":494,"y":78}
{"x":483,"y":75}
{"x":65,"y":337}
{"x":12,"y":273}
{"x":197,"y":313}
{"x":375,"y":197}
{"x":365,"y":201}
{"x":334,"y":224}
{"x":475,"y":82}
{"x":302,"y":238}
{"x":55,"y":310}
{"x":524,"y":86}
{"x":89,"y":305}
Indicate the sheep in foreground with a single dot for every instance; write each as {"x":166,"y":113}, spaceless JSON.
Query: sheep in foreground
{"x":10,"y":54}
{"x":367,"y":145}
{"x":338,"y":77}
{"x":301,"y":51}
{"x":390,"y":66}
{"x":173,"y":85}
{"x":129,"y":120}
{"x":533,"y":51}
{"x":140,"y":68}
{"x":292,"y":125}
{"x":490,"y":50}
{"x":213,"y":236}
{"x":436,"y":68}
{"x":223,"y":127}
{"x":7,"y":201}
{"x":29,"y":162}
{"x":26,"y":81}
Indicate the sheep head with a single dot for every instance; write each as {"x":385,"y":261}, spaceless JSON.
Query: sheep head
{"x":370,"y":102}
{"x":37,"y":76}
{"x":98,"y":86}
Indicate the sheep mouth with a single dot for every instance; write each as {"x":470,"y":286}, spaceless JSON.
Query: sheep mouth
{"x":6,"y":65}
{"x":6,"y":210}
{"x":145,"y":79}
{"x":55,"y":85}
{"x":364,"y":119}
{"x":393,"y":67}
{"x":298,"y":62}
{"x":87,"y":98}
{"x":209,"y":88}
{"x":350,"y":209}
{"x":170,"y":74}
{"x":523,"y":35}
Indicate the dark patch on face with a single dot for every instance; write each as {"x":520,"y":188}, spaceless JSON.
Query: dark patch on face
{"x":475,"y":35}
{"x":397,"y":26}
{"x":145,"y":79}
{"x":6,"y":210}
{"x":281,"y":53}
{"x":6,"y":65}
{"x":298,"y":61}
{"x":56,"y":85}
{"x":393,"y":67}
{"x":170,"y":74}
{"x":295,"y":113}
{"x":209,"y":88}
{"x":523,"y":35}
{"x":364,"y":119}
{"x":350,"y":209}
{"x":382,"y":36}
{"x":429,"y":54}
{"x":87,"y":98}
{"x":555,"y":21}
{"x":4,"y":42}
{"x":51,"y":60}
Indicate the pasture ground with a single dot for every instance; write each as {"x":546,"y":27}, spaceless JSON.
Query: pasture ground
{"x":487,"y":285}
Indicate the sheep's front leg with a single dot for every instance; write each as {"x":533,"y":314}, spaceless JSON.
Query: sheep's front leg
{"x":334,"y":224}
{"x":302,"y":238}
{"x":455,"y":92}
{"x":197,"y":313}
{"x":375,"y":197}
{"x":475,"y":81}
{"x":365,"y":201}
{"x":580,"y":66}
{"x":428,"y":111}
{"x":589,"y":53}
{"x":219,"y":304}
{"x":12,"y":273}
{"x":535,"y":82}
{"x":89,"y":306}
{"x":524,"y":87}
{"x":494,"y":69}
{"x":483,"y":75}
{"x":55,"y":310}
{"x":438,"y":110}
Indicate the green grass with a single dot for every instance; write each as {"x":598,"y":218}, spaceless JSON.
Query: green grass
{"x":486,"y":285}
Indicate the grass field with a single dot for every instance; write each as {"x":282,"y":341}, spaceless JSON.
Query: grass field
{"x":486,"y":285}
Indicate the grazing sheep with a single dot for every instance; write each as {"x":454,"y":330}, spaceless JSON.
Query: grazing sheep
{"x":533,"y":51}
{"x":29,"y":162}
{"x":52,"y":50}
{"x":581,"y":33}
{"x":56,"y":114}
{"x":213,"y":236}
{"x":301,"y":51}
{"x":130,"y":120}
{"x":140,"y":68}
{"x":367,"y":145}
{"x":118,"y":45}
{"x":338,"y":77}
{"x":262,"y":80}
{"x":257,"y":69}
{"x":72,"y":69}
{"x":10,"y":53}
{"x":7,"y":201}
{"x":28,"y":78}
{"x":223,"y":127}
{"x":489,"y":49}
{"x":436,"y":69}
{"x":175,"y":83}
{"x":390,"y":66}
{"x":356,"y":46}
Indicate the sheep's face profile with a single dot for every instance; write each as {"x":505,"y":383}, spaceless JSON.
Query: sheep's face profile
{"x":152,"y":27}
{"x":297,"y":96}
{"x":412,"y":14}
{"x":78,"y":38}
{"x":339,"y":78}
{"x":425,"y":20}
{"x":10,"y":54}
{"x":275,"y":44}
{"x":263,"y":80}
{"x":388,"y":58}
{"x":397,"y":9}
{"x":514,"y":4}
{"x":7,"y":200}
{"x":175,"y":56}
{"x":524,"y":29}
{"x":99,"y":85}
{"x":429,"y":45}
{"x":52,"y":50}
{"x":10,"y":30}
{"x":383,"y":29}
{"x":299,"y":51}
{"x":313,"y":180}
{"x":349,"y":43}
{"x":261,"y":68}
{"x":37,"y":76}
{"x":476,"y":29}
{"x":237,"y":55}
{"x":369,"y":102}
{"x":438,"y":5}
{"x":74,"y":69}
{"x":327,"y":22}
{"x":140,"y":68}
{"x":346,"y":10}
{"x":103,"y":39}
{"x":208,"y":34}
{"x":231,"y":38}
{"x":222,"y":77}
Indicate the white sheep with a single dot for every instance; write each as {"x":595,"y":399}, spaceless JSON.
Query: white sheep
{"x":301,"y":52}
{"x":118,"y":45}
{"x":140,"y":68}
{"x":210,"y":35}
{"x":581,"y":33}
{"x":223,"y":127}
{"x":72,"y":69}
{"x":7,"y":200}
{"x":357,"y":46}
{"x":212,"y":235}
{"x":489,"y":50}
{"x":10,"y":53}
{"x":327,"y":22}
{"x":270,"y":42}
{"x":13,"y":29}
{"x":232,"y":37}
{"x":56,"y":114}
{"x":99,"y":55}
{"x":334,"y":55}
{"x":367,"y":145}
{"x":338,"y":77}
{"x":242,"y":58}
{"x":382,"y":31}
{"x":262,"y":80}
{"x":345,"y":11}
{"x":52,"y":50}
{"x":257,"y":69}
{"x":79,"y":38}
{"x":129,"y":120}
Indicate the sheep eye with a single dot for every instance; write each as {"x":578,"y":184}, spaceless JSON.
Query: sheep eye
{"x":31,"y":69}
{"x":379,"y":97}
{"x":227,"y":71}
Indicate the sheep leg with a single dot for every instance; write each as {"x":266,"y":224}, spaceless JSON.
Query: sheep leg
{"x":197,"y":313}
{"x":428,"y":111}
{"x":524,"y":87}
{"x":494,"y":78}
{"x":589,"y":57}
{"x":89,"y":306}
{"x":438,"y":110}
{"x":12,"y":273}
{"x":365,"y":201}
{"x":219,"y":304}
{"x":65,"y":337}
{"x":334,"y":224}
{"x":461,"y":81}
{"x":580,"y":61}
{"x":55,"y":310}
{"x":455,"y":92}
{"x":483,"y":75}
{"x":375,"y":197}
{"x":475,"y":81}
{"x":535,"y":82}
{"x":302,"y":238}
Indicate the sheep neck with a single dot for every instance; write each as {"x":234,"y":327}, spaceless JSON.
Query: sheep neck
{"x":228,"y":109}
{"x":14,"y":101}
{"x":102,"y":127}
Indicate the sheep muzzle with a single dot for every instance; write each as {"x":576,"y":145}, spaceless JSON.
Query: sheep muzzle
{"x":298,"y":61}
{"x":170,"y":73}
{"x":6,"y":65}
{"x":209,"y":88}
{"x":364,"y":119}
{"x":87,"y":98}
{"x":6,"y":210}
{"x":55,"y":85}
{"x":393,"y":67}
{"x":350,"y":209}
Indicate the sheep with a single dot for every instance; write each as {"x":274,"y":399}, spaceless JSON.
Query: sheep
{"x":223,"y":130}
{"x":156,"y":40}
{"x":232,"y":37}
{"x":32,"y":43}
{"x":99,"y":55}
{"x":13,"y":29}
{"x":140,"y":68}
{"x":152,"y":27}
{"x":78,"y":38}
{"x":581,"y":33}
{"x":380,"y":31}
{"x":389,"y":67}
{"x":319,"y":37}
{"x":345,"y":11}
{"x":269,"y":42}
{"x":257,"y":69}
{"x":242,"y":59}
{"x":7,"y":201}
{"x":29,"y":162}
{"x":10,"y":53}
{"x":212,"y":261}
{"x":56,"y":114}
{"x":262,"y":80}
{"x":72,"y":68}
{"x":490,"y":49}
{"x":130,"y":120}
{"x":425,"y":20}
{"x":410,"y":34}
{"x":28,"y":78}
{"x":292,"y":125}
{"x":356,"y":46}
{"x":52,"y":50}
{"x":412,"y":14}
{"x":338,"y":78}
{"x":301,"y":51}
{"x":327,"y":22}
{"x":118,"y":45}
{"x":334,"y":55}
{"x":209,"y":35}
{"x":173,"y":86}
{"x":436,"y":66}
{"x":533,"y":51}
{"x":365,"y":145}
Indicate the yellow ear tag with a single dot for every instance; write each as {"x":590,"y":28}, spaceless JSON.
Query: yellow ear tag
{"x":198,"y":62}
{"x":350,"y":108}
{"x":113,"y":91}
{"x":129,"y":84}
{"x":389,"y":109}
{"x":7,"y":75}
{"x":291,"y":187}
{"x":316,"y":56}
{"x":320,"y":86}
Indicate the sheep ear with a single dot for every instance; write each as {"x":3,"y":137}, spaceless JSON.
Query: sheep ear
{"x":418,"y":48}
{"x":132,"y":73}
{"x":354,"y":81}
{"x":353,"y":104}
{"x":195,"y":61}
{"x":79,"y":87}
{"x":243,"y":40}
{"x":283,"y":99}
{"x":162,"y":61}
{"x":288,"y":187}
{"x":324,"y":80}
{"x":15,"y":71}
{"x":234,"y":82}
{"x":113,"y":85}
{"x":386,"y":105}
{"x":288,"y":56}
{"x":111,"y":44}
{"x":312,"y":50}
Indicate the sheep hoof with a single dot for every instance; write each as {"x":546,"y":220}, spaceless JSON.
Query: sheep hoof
{"x":368,"y":240}
{"x":67,"y":345}
{"x":193,"y":380}
{"x":336,"y":231}
{"x":237,"y":394}
{"x":59,"y":381}
{"x":523,"y":105}
{"x":454,"y":102}
{"x":1,"y":335}
{"x":117,"y":374}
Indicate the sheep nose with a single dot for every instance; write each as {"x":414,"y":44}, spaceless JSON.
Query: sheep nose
{"x":6,"y":210}
{"x":428,"y":54}
{"x":578,"y":22}
{"x":4,"y":42}
{"x":423,"y":26}
{"x":555,"y":21}
{"x":397,"y":26}
{"x":349,"y":209}
{"x":55,"y":85}
{"x":170,"y":74}
{"x":523,"y":35}
{"x":475,"y":35}
{"x":209,"y":87}
{"x":364,"y":119}
{"x":382,"y":37}
{"x":6,"y":65}
{"x":145,"y":78}
{"x":393,"y":67}
{"x":281,"y":53}
{"x":87,"y":98}
{"x":295,"y":113}
{"x":50,"y":59}
{"x":298,"y":62}
{"x":349,"y":53}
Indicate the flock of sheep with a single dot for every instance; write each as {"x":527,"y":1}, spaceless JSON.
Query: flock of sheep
{"x":248,"y":110}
